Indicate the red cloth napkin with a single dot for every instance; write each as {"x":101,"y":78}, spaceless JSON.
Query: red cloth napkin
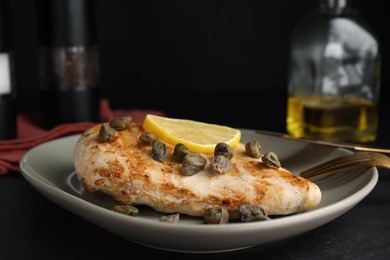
{"x":30,"y":133}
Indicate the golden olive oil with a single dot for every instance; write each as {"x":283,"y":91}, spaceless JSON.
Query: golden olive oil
{"x":332,"y":118}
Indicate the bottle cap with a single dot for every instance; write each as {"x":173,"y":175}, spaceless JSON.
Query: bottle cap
{"x":65,"y":23}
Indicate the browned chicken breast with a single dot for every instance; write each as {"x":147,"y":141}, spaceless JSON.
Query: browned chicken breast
{"x":125,"y":169}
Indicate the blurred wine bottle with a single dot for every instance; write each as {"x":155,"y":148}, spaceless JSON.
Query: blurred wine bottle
{"x":68,"y":61}
{"x":334,"y":76}
{"x":7,"y":92}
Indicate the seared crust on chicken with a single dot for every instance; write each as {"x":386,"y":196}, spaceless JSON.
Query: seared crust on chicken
{"x":125,"y":170}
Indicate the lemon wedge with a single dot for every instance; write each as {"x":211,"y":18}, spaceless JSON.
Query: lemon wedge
{"x":199,"y":137}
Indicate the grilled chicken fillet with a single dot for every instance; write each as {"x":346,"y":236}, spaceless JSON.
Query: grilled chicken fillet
{"x":125,"y":170}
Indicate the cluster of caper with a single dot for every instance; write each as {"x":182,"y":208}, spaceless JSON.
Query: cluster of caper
{"x":194,"y":162}
{"x":133,"y":211}
{"x":159,"y":149}
{"x":216,"y":215}
{"x":253,"y":149}
{"x":223,"y":154}
{"x":191,"y":162}
{"x":108,"y":129}
{"x":245,"y":213}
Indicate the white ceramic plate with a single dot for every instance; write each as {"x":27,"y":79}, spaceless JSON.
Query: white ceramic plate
{"x":49,"y":168}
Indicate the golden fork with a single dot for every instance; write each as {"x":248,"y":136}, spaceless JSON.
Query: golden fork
{"x":347,"y":162}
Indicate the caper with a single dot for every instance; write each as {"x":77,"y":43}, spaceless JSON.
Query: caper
{"x":220,"y":164}
{"x":126,"y":209}
{"x":216,"y":216}
{"x":180,"y":151}
{"x":159,"y":151}
{"x":192,"y":163}
{"x":148,"y":137}
{"x":172,"y":218}
{"x":248,"y":213}
{"x":121,"y":123}
{"x":253,"y":149}
{"x":224,"y":149}
{"x":271,"y":160}
{"x":106,"y":133}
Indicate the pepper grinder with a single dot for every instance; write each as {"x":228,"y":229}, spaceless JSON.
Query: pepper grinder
{"x":7,"y":92}
{"x":68,"y":61}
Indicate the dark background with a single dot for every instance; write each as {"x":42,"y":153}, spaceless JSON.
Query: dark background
{"x":211,"y":59}
{"x":226,"y":55}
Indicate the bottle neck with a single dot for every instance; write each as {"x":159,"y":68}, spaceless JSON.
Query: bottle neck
{"x":334,"y":6}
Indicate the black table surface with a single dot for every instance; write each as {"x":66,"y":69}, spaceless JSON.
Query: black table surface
{"x":33,"y":227}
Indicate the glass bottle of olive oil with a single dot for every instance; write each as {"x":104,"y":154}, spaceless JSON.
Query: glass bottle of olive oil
{"x":334,"y":76}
